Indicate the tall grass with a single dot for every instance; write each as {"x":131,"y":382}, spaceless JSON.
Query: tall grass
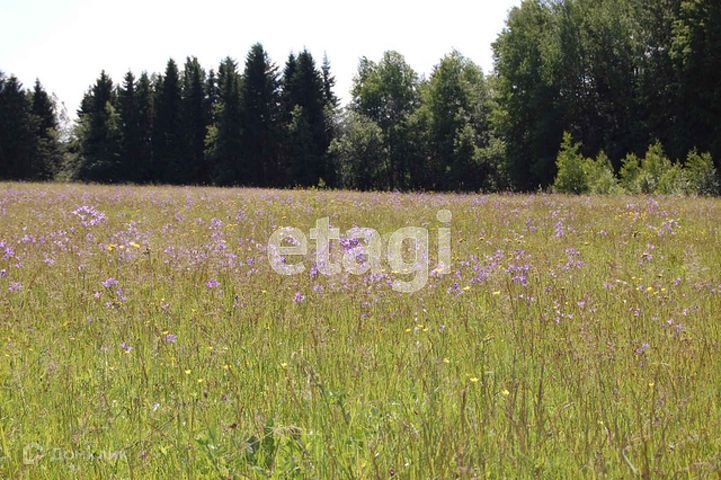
{"x":146,"y":336}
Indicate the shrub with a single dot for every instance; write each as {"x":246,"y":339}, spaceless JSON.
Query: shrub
{"x":701,"y":174}
{"x":673,"y":182}
{"x":631,"y":174}
{"x":599,"y":175}
{"x":654,"y":166}
{"x":571,"y":176}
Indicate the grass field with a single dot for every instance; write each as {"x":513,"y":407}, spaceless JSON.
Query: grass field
{"x":145,"y":335}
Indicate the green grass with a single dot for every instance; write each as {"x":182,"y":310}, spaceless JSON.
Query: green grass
{"x":484,"y":379}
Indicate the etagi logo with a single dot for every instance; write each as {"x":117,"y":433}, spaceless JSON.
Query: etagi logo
{"x":367,"y":252}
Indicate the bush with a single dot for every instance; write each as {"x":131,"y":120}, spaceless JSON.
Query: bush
{"x":701,"y":174}
{"x":654,"y":166}
{"x":654,"y":173}
{"x":631,"y":174}
{"x":599,"y":175}
{"x":571,"y":176}
{"x":673,"y":182}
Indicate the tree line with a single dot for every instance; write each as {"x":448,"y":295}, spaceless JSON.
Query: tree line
{"x":617,"y":75}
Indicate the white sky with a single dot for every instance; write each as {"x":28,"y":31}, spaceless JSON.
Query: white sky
{"x":66,"y":43}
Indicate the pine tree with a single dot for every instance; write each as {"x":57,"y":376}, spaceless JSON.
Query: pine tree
{"x":261,"y":134}
{"x":168,"y":154}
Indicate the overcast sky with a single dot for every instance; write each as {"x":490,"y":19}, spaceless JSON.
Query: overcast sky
{"x":66,"y":43}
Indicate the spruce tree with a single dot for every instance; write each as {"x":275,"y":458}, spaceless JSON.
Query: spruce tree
{"x":144,"y":100}
{"x":100,"y":133}
{"x":17,"y":132}
{"x":168,"y":154}
{"x":261,"y":134}
{"x":328,"y":84}
{"x":223,"y":143}
{"x":195,"y":115}
{"x":307,"y":139}
{"x":130,"y":128}
{"x":48,"y":155}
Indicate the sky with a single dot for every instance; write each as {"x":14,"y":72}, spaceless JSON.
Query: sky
{"x":66,"y":43}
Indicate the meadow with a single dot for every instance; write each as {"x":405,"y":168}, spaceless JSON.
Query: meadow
{"x":144,"y":334}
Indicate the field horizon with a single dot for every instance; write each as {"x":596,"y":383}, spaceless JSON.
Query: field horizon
{"x":145,"y":334}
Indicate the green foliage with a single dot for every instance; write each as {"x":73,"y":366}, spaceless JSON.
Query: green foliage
{"x":190,"y":166}
{"x":224,"y":138}
{"x":308,"y":126}
{"x":613,"y":73}
{"x":599,"y":175}
{"x":387,"y":93}
{"x":654,"y":166}
{"x":653,"y":174}
{"x":571,"y":166}
{"x":261,"y":122}
{"x":630,"y":174}
{"x":701,"y":174}
{"x":454,"y":102}
{"x":131,"y":130}
{"x":360,"y":154}
{"x":27,"y":142}
{"x":99,"y":133}
{"x":530,"y":120}
{"x":673,"y":181}
{"x":168,"y":139}
{"x":48,"y":155}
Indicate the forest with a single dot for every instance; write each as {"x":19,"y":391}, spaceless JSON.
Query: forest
{"x":585,"y":96}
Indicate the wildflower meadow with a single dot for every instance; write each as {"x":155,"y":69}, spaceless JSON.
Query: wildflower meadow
{"x":144,"y":333}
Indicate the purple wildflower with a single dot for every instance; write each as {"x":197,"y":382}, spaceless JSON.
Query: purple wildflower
{"x":15,"y":286}
{"x":89,"y":216}
{"x":299,"y":297}
{"x":642,"y":348}
{"x":212,"y":283}
{"x":110,"y":282}
{"x":170,"y":337}
{"x":126,"y":347}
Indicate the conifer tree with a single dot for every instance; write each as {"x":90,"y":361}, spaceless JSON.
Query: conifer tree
{"x":100,"y":133}
{"x":146,"y":114}
{"x":130,"y":128}
{"x":328,"y":84}
{"x":307,"y":140}
{"x":168,"y":154}
{"x":17,"y":131}
{"x":223,"y":142}
{"x":195,"y":115}
{"x":261,"y":134}
{"x":48,"y":151}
